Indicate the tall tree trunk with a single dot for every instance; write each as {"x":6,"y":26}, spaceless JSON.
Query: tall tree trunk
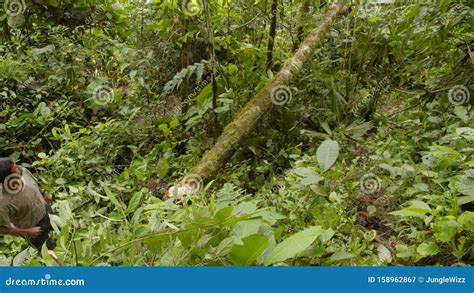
{"x":271,"y":37}
{"x":212,"y":54}
{"x":247,"y":119}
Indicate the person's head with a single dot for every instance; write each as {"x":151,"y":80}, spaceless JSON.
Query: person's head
{"x":7,"y":167}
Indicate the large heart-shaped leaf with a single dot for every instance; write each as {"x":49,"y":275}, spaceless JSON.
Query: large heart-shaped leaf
{"x":327,"y":154}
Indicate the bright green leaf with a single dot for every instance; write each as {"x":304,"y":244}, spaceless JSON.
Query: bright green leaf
{"x":327,"y":154}
{"x":293,"y":245}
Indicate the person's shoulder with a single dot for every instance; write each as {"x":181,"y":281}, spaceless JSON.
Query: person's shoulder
{"x":26,"y":171}
{"x":28,"y":174}
{"x":29,"y":179}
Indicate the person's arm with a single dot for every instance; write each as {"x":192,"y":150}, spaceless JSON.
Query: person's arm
{"x":7,"y":228}
{"x":26,"y":232}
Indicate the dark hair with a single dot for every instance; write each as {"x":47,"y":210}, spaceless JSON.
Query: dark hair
{"x":5,"y":168}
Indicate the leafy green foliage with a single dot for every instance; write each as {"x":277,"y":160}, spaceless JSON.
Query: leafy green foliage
{"x":375,"y":100}
{"x":293,"y":245}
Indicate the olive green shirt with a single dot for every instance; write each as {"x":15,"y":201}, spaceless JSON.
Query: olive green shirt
{"x":24,"y":209}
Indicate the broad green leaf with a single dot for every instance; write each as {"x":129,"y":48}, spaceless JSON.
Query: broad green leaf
{"x":20,"y":258}
{"x":293,"y":245}
{"x":384,"y":255}
{"x":461,"y":112}
{"x":327,"y":154}
{"x":465,"y":199}
{"x":246,"y":228}
{"x":341,"y":255}
{"x":427,"y":249}
{"x":252,"y":248}
{"x":416,"y":209}
{"x":60,"y":181}
{"x":164,"y":128}
{"x":56,"y":222}
{"x":446,"y":153}
{"x":63,"y":236}
{"x":245,"y":208}
{"x":466,"y":186}
{"x":134,"y":202}
{"x":445,"y":228}
{"x":162,"y":167}
{"x":408,"y":213}
{"x":326,"y":235}
{"x":155,"y":244}
{"x":419,"y":205}
{"x":466,"y":219}
{"x":404,"y":251}
{"x":466,"y":132}
{"x":111,"y":196}
{"x":224,"y":214}
{"x":270,"y":216}
{"x":307,"y":176}
{"x":205,"y":94}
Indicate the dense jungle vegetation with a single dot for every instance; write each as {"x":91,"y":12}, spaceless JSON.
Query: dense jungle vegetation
{"x":365,"y":155}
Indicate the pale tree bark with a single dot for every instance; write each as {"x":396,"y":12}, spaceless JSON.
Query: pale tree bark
{"x":247,"y":119}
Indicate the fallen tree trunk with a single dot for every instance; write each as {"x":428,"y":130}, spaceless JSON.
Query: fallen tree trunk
{"x":246,"y":120}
